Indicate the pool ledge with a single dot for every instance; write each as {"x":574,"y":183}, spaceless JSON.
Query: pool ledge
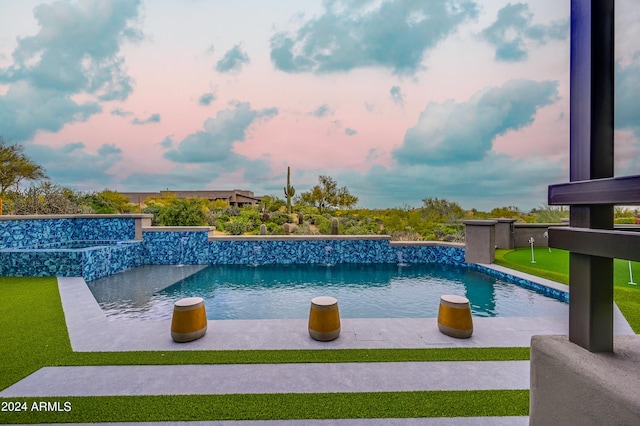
{"x":542,"y":281}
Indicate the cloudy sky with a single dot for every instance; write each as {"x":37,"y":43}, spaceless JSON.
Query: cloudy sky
{"x":399,"y":100}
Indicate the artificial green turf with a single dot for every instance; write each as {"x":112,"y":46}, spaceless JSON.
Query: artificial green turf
{"x":554,"y":265}
{"x":35,"y":336}
{"x":280,"y":406}
{"x":33,"y":328}
{"x":295,"y":356}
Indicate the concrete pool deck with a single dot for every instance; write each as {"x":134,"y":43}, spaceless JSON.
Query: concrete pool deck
{"x":90,"y":330}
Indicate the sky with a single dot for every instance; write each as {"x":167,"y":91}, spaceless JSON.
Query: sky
{"x":398,"y":100}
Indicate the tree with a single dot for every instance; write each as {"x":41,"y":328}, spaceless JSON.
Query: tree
{"x":327,"y":195}
{"x":441,"y":211}
{"x":15,"y":166}
{"x":47,"y":198}
{"x":507,"y":212}
{"x":109,"y":202}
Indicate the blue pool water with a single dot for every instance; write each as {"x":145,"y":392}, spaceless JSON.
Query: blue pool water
{"x":362,"y":290}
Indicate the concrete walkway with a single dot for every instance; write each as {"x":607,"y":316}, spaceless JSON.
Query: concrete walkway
{"x":272,"y":378}
{"x":90,"y":330}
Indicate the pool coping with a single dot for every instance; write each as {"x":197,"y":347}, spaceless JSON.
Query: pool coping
{"x":91,"y":331}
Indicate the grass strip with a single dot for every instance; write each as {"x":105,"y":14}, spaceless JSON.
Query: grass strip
{"x":277,"y":406}
{"x":295,"y":356}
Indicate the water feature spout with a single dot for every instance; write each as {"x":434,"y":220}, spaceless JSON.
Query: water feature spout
{"x":183,"y":242}
{"x":257,"y":250}
{"x":327,"y":259}
{"x":400,"y":256}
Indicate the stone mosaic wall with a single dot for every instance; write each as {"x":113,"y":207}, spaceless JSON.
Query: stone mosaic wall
{"x":104,"y":261}
{"x":41,"y":263}
{"x":175,"y":248}
{"x":89,"y":263}
{"x":328,"y":251}
{"x":25,"y":233}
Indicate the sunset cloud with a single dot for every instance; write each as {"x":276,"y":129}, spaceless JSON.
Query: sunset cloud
{"x":397,"y":96}
{"x":206,"y":99}
{"x":233,"y":60}
{"x":463,"y":132}
{"x":214,"y":143}
{"x":395,"y":35}
{"x":75,"y":51}
{"x":72,"y":163}
{"x":153,"y":118}
{"x":513,"y":28}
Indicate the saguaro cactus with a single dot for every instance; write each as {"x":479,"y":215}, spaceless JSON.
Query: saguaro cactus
{"x":289,"y":191}
{"x":334,"y":226}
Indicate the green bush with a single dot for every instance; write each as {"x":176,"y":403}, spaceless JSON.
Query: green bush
{"x":238,"y":226}
{"x":274,"y":229}
{"x":358,"y":230}
{"x":280,"y":218}
{"x":305,"y":230}
{"x":250,"y":216}
{"x":183,"y":212}
{"x":155,"y":211}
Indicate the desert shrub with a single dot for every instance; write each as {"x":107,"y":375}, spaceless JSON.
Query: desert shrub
{"x":251,"y":216}
{"x":231,"y":211}
{"x":155,"y":211}
{"x":625,"y":220}
{"x":47,"y":198}
{"x":549,"y":214}
{"x":324,"y":225}
{"x":358,"y":230}
{"x":305,"y":230}
{"x":238,"y":226}
{"x":280,"y":218}
{"x":183,"y":212}
{"x":274,"y":229}
{"x":406,"y":235}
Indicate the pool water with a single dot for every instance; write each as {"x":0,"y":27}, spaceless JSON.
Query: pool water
{"x":362,"y":290}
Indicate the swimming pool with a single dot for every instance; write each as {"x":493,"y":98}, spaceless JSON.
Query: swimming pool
{"x":362,"y":290}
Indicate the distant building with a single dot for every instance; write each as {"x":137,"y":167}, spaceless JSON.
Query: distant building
{"x":235,"y":197}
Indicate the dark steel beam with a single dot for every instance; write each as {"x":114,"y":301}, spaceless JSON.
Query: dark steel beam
{"x":597,"y":242}
{"x":591,"y":157}
{"x":620,"y":190}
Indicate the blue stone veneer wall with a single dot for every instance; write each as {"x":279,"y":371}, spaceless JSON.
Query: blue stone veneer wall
{"x":175,"y":248}
{"x":328,"y":251}
{"x":194,"y":248}
{"x":88,"y":263}
{"x":25,"y":233}
{"x":169,"y":247}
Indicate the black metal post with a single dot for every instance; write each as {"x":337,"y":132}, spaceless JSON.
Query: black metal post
{"x":591,"y":121}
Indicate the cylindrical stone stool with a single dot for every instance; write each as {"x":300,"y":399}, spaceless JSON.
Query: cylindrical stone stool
{"x":454,"y":316}
{"x":324,"y":318}
{"x":189,"y":320}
